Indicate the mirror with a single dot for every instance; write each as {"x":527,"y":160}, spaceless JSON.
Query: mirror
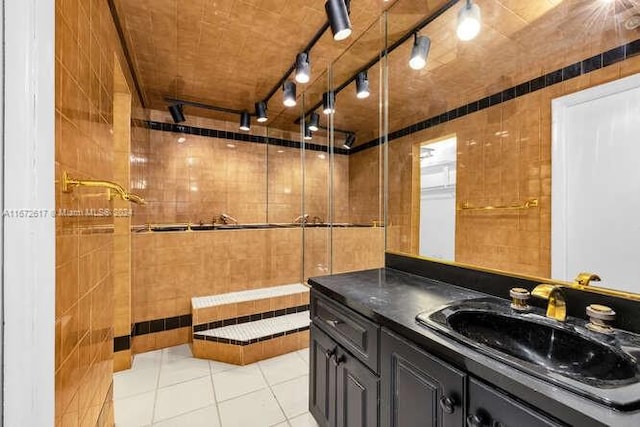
{"x":494,"y":95}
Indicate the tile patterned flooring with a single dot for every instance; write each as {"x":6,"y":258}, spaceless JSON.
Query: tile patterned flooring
{"x":170,"y":388}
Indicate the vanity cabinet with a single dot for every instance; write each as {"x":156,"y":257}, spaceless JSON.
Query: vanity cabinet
{"x":343,"y":392}
{"x":490,"y":407}
{"x":418,"y":389}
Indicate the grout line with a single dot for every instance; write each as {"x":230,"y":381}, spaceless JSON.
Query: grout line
{"x":286,"y":419}
{"x":215,"y":398}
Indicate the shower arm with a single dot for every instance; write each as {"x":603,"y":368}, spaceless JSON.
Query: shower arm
{"x":114,"y":189}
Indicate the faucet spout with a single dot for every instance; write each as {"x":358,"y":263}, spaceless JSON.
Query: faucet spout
{"x":227,"y":219}
{"x":556,"y":306}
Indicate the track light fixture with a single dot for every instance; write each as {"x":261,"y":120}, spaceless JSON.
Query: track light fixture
{"x":245,"y":121}
{"x":362,"y":85}
{"x":176,"y":113}
{"x":314,"y":122}
{"x":420,"y":51}
{"x":349,"y":141}
{"x":261,"y":112}
{"x":469,"y":21}
{"x":303,"y":68}
{"x":307,"y":133}
{"x":338,"y":14}
{"x":328,"y":102}
{"x":289,"y":89}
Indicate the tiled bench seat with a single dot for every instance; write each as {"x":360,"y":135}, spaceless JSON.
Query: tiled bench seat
{"x":247,"y":326}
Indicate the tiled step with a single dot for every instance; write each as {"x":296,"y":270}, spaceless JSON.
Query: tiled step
{"x":234,"y":305}
{"x":246,"y":326}
{"x":260,"y":330}
{"x":249,"y":342}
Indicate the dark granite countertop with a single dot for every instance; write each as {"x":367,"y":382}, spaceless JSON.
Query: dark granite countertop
{"x":393,"y":298}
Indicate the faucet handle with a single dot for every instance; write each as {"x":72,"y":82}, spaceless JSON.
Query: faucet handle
{"x":585,"y":278}
{"x":599,"y":318}
{"x":519,"y":298}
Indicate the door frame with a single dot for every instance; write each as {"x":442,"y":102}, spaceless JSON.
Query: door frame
{"x":28,"y":202}
{"x":559,"y":157}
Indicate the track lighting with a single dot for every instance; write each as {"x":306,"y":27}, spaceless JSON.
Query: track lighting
{"x":176,"y":113}
{"x":245,"y":121}
{"x":289,"y":89}
{"x":303,"y":68}
{"x":328,"y":102}
{"x":362,"y":85}
{"x":261,"y":111}
{"x":420,"y":51}
{"x":314,"y":122}
{"x":349,"y":141}
{"x":338,"y":14}
{"x":469,"y":20}
{"x":307,"y":133}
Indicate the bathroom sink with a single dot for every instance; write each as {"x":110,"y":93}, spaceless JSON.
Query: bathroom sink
{"x":567,"y":354}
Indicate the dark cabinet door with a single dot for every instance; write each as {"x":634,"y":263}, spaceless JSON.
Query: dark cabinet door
{"x":357,"y":393}
{"x":418,"y":389}
{"x":490,"y":407}
{"x":322,"y":377}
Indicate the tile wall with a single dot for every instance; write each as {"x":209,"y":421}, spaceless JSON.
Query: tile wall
{"x":193,"y":178}
{"x":504,"y":156}
{"x":87,"y":49}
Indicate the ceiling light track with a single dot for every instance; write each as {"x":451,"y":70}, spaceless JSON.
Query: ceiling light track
{"x":385,"y":52}
{"x":175,"y":108}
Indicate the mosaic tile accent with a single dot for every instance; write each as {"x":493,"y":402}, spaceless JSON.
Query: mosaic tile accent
{"x":250,"y":295}
{"x":250,"y":318}
{"x":260,"y":330}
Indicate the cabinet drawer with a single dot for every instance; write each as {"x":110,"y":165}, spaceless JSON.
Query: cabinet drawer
{"x":490,"y":407}
{"x":354,"y":332}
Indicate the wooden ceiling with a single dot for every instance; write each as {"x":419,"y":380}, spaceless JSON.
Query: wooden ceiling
{"x":230,"y":53}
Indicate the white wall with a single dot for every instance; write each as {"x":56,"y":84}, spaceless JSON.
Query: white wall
{"x":438,"y":199}
{"x":596,"y":184}
{"x":28,"y":242}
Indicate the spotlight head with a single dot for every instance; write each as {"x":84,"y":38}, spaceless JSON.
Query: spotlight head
{"x":307,"y":133}
{"x":303,"y":68}
{"x":362,"y":85}
{"x":419,"y":52}
{"x":176,"y":113}
{"x":245,"y":121}
{"x":289,"y":94}
{"x":349,"y":141}
{"x":338,"y":15}
{"x":314,"y":122}
{"x":328,"y":102}
{"x":469,"y":21}
{"x":261,"y":112}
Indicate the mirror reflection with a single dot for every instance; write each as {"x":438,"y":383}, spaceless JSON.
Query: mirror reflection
{"x":491,"y":87}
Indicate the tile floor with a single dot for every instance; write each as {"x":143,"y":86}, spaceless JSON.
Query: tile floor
{"x":171,"y":388}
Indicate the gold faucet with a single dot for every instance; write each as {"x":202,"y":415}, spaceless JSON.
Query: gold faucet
{"x":585,"y":278}
{"x":556,"y":307}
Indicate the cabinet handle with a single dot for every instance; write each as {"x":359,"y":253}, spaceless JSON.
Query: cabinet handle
{"x":448,"y":405}
{"x":475,"y":421}
{"x":331,"y":352}
{"x":339,"y":360}
{"x":333,"y":323}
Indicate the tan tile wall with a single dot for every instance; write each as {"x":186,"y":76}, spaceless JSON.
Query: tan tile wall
{"x":203,"y":177}
{"x":87,"y":49}
{"x":366,"y":193}
{"x":357,"y":248}
{"x":504,"y":155}
{"x":171,"y":268}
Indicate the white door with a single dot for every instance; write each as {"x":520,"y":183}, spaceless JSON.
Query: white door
{"x":596,"y":184}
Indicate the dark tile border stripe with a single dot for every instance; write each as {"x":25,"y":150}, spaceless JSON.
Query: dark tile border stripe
{"x":235,"y":136}
{"x":253,"y":341}
{"x":160,"y":325}
{"x":121,"y":343}
{"x":579,"y":68}
{"x":249,"y":318}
